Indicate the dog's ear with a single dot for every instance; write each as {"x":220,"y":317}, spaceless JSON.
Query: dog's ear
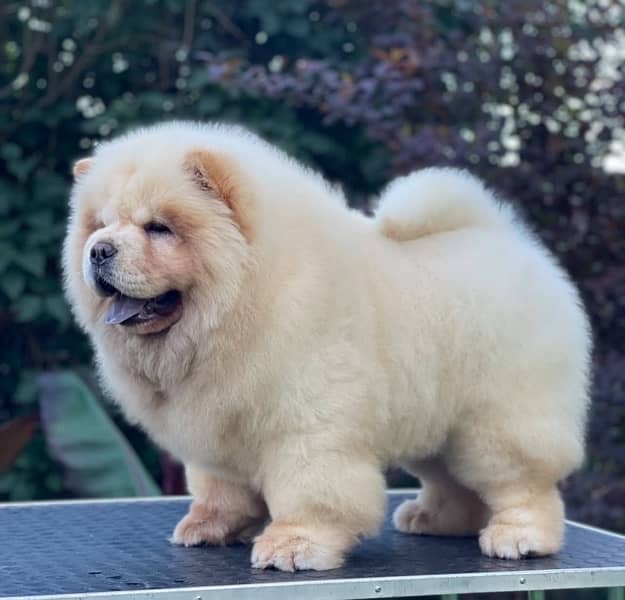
{"x":217,"y":175}
{"x":81,"y":167}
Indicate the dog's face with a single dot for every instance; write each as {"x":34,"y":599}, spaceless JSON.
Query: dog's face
{"x":152,"y":243}
{"x":140,"y":262}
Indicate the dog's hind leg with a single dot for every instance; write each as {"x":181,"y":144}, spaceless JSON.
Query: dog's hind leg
{"x":221,"y":512}
{"x":442,"y":507}
{"x":516,"y":477}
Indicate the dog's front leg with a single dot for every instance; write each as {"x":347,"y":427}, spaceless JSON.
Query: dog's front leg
{"x":320,"y":502}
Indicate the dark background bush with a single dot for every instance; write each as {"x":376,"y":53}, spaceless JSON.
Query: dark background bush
{"x":529,"y":95}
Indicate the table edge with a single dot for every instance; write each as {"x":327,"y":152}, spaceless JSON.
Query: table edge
{"x":374,"y":587}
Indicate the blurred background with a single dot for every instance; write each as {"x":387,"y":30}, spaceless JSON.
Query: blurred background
{"x":530,"y":95}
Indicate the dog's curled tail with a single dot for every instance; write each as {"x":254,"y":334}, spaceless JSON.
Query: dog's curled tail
{"x":436,"y":200}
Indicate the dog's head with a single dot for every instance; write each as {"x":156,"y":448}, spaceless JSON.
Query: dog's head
{"x":159,"y":234}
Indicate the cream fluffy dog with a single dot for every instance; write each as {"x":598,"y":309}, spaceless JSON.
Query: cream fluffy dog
{"x":288,"y":350}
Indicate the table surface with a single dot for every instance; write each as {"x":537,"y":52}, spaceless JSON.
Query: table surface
{"x":120,"y":549}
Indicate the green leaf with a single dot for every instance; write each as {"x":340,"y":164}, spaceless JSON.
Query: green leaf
{"x":209,"y":104}
{"x":49,"y":188}
{"x":22,"y":167}
{"x":7,"y":482}
{"x":153,"y":100}
{"x":5,"y":204}
{"x":27,"y":390}
{"x":28,"y":308}
{"x":97,"y":459}
{"x":33,"y":261}
{"x":57,"y":308}
{"x":10,"y":151}
{"x":199,"y":79}
{"x":6,"y":255}
{"x":298,"y":28}
{"x":41,"y":219}
{"x":11,"y":196}
{"x":9,"y":228}
{"x":13,"y":283}
{"x":270,"y":23}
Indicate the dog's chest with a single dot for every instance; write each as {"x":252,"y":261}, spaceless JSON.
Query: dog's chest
{"x":204,"y":430}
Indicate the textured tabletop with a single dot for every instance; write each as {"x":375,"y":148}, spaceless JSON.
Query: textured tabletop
{"x":78,"y":549}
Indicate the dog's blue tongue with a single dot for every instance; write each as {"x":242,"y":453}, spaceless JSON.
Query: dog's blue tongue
{"x":123,"y":308}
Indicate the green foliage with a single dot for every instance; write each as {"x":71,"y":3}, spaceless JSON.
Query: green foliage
{"x":97,"y":460}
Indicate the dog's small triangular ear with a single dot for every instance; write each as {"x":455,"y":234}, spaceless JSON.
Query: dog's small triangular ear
{"x":217,"y":175}
{"x":81,"y":167}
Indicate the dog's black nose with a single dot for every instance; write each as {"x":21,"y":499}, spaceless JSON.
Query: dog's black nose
{"x":101,"y":252}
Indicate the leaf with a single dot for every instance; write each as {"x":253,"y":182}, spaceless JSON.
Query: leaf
{"x":15,"y":434}
{"x":32,"y":261}
{"x":22,"y":167}
{"x":97,"y":459}
{"x":5,"y":204}
{"x":10,"y":151}
{"x":153,"y":100}
{"x":7,"y":482}
{"x":27,"y":391}
{"x":199,"y":79}
{"x":209,"y":104}
{"x":9,"y":228}
{"x":42,"y":219}
{"x":49,"y":188}
{"x":13,"y":283}
{"x":57,"y":308}
{"x":28,"y":308}
{"x":6,"y":255}
{"x":298,"y":27}
{"x":10,"y":196}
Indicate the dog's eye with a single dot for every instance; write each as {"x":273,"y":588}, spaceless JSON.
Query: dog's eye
{"x":154,"y":227}
{"x":92,"y":223}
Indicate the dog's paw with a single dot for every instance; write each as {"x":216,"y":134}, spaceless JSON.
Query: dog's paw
{"x":411,"y":517}
{"x":193,"y":531}
{"x":517,"y":541}
{"x":296,"y":548}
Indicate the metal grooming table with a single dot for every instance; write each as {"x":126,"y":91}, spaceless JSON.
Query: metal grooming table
{"x":119,"y":549}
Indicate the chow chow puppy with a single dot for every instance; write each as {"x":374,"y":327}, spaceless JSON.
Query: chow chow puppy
{"x":288,"y":349}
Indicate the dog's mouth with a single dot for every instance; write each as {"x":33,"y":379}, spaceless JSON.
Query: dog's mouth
{"x":126,"y":310}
